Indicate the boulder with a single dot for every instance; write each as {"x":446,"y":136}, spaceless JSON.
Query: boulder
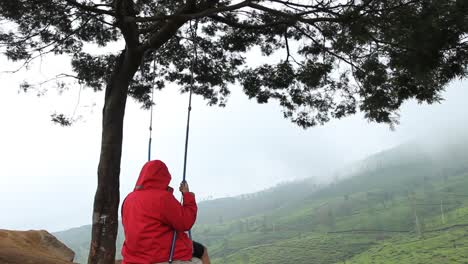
{"x":33,"y":247}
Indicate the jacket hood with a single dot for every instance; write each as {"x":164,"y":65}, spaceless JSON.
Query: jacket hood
{"x":153,"y":175}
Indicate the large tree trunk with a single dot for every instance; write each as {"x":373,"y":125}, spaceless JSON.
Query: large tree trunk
{"x":107,"y":198}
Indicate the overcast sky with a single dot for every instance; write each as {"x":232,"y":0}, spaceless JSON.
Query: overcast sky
{"x":48,"y":173}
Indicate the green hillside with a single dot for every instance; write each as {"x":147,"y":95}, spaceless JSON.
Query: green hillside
{"x":358,"y":226}
{"x":405,"y":205}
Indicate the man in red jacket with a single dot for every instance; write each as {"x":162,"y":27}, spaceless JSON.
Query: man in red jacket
{"x":150,"y":216}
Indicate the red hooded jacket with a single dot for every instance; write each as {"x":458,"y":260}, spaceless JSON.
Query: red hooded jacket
{"x":151,"y":213}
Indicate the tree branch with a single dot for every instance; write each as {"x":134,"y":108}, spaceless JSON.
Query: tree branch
{"x":92,"y":9}
{"x":240,"y":25}
{"x":289,"y":4}
{"x":248,"y":3}
{"x":207,"y":12}
{"x":326,"y":49}
{"x":296,"y":17}
{"x":57,"y":77}
{"x":163,"y":35}
{"x":27,"y":37}
{"x":60,"y":41}
{"x":30,"y":59}
{"x":129,"y":28}
{"x":287,"y":44}
{"x":171,"y":26}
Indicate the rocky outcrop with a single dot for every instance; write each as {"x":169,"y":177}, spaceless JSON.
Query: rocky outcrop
{"x":33,"y":247}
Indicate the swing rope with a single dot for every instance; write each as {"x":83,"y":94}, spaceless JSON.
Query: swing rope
{"x":151,"y":114}
{"x":192,"y":80}
{"x":193,"y":32}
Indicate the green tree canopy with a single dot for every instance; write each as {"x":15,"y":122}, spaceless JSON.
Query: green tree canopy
{"x":348,"y":55}
{"x":337,"y":57}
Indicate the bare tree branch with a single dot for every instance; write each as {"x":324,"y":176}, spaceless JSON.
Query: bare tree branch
{"x":57,"y":77}
{"x":287,"y":44}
